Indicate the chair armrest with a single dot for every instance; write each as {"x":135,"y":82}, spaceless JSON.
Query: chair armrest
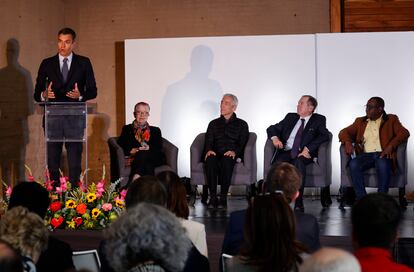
{"x":171,"y":154}
{"x":118,"y":152}
{"x":249,"y":155}
{"x":197,"y":149}
{"x":344,"y":158}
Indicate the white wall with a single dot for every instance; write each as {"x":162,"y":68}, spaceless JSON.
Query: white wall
{"x":183,"y":79}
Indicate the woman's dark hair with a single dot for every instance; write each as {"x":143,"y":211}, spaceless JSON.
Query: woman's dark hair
{"x":177,"y":195}
{"x":270,"y":231}
{"x":145,"y":189}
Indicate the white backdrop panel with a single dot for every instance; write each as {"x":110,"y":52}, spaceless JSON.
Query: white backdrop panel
{"x":184,"y":79}
{"x":353,"y":67}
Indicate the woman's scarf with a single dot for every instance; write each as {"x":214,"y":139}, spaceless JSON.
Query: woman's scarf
{"x":142,"y":133}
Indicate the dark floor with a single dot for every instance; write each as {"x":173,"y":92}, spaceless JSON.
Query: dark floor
{"x":335,"y":226}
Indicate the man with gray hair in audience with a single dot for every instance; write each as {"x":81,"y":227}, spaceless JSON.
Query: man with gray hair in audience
{"x":329,"y":259}
{"x":225,"y":140}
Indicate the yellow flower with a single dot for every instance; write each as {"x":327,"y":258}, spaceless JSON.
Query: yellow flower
{"x":70,"y":204}
{"x":71,"y":224}
{"x":95,"y":213}
{"x":91,"y":197}
{"x":119,"y":203}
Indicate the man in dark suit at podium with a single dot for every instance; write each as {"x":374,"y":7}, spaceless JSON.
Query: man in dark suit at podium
{"x":65,"y":77}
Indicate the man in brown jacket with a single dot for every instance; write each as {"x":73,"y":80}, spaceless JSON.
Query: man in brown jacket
{"x":374,"y":138}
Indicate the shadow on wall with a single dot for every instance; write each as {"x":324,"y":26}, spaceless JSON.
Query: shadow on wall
{"x":98,"y":151}
{"x":16,"y":105}
{"x":190,"y":104}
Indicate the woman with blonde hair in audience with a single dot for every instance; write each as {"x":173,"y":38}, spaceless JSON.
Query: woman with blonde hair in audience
{"x":25,"y":232}
{"x":177,"y":203}
{"x":270,"y":240}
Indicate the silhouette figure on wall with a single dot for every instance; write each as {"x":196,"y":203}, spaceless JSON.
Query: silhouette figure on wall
{"x":189,"y":105}
{"x":15,"y":106}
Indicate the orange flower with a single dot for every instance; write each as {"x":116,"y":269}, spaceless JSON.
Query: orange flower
{"x":81,"y":208}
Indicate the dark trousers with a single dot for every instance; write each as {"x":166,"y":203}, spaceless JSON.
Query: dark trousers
{"x":364,"y":161}
{"x":300,"y":163}
{"x":144,"y":163}
{"x":219,"y":170}
{"x":74,"y":153}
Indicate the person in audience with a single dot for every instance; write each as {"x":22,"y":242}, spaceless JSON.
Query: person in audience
{"x":25,"y":232}
{"x":147,"y":237}
{"x":374,"y":139}
{"x":142,"y":143}
{"x":226,"y":138}
{"x":10,"y":259}
{"x":177,"y":203}
{"x":270,"y":243}
{"x":297,"y":139}
{"x":330,"y":259}
{"x":33,"y":196}
{"x":148,"y":189}
{"x":286,"y":178}
{"x":375,"y":219}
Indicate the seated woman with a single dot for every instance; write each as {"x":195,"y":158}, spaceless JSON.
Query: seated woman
{"x":270,"y":243}
{"x":177,"y":203}
{"x":142,"y":143}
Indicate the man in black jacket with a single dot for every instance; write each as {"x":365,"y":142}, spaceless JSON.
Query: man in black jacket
{"x":226,"y":138}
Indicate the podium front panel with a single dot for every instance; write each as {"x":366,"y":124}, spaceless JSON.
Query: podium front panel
{"x":65,"y":122}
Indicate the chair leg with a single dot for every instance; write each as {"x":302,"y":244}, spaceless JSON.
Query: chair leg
{"x":401,"y":198}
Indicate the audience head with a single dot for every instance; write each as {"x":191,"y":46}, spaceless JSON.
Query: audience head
{"x":330,"y":260}
{"x":270,"y":234}
{"x":375,"y":219}
{"x":147,"y":233}
{"x":10,"y":259}
{"x":32,"y":196}
{"x":375,"y":107}
{"x":24,"y":231}
{"x":145,"y":189}
{"x":284,"y":177}
{"x":177,"y":195}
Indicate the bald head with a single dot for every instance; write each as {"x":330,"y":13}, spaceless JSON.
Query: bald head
{"x":330,"y":259}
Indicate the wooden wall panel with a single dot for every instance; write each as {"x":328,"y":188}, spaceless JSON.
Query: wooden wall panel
{"x":378,"y":15}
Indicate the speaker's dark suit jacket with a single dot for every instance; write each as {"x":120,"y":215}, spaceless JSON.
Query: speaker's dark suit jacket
{"x":80,"y":72}
{"x":307,"y":232}
{"x":314,"y":133}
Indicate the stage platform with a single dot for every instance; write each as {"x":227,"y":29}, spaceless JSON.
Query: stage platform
{"x":335,"y":226}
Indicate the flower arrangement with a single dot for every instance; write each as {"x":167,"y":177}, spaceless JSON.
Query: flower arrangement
{"x":90,"y":207}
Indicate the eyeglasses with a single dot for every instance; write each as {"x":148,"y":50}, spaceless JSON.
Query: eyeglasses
{"x":141,"y":113}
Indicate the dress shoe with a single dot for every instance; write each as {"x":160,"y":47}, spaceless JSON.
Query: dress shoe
{"x":213,"y":203}
{"x":222,"y":204}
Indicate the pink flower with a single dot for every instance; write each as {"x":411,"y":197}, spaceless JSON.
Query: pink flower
{"x":107,"y":207}
{"x":100,"y":188}
{"x":49,"y":185}
{"x":30,"y":178}
{"x":8,"y":191}
{"x":123,"y":194}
